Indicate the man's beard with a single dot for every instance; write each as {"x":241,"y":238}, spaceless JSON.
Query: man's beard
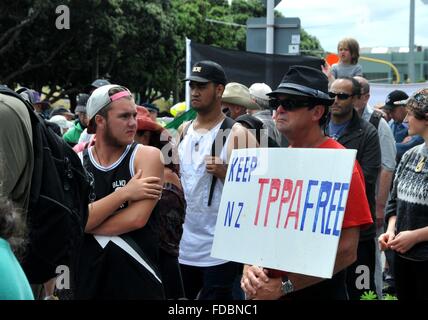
{"x":110,"y":139}
{"x":208,"y":107}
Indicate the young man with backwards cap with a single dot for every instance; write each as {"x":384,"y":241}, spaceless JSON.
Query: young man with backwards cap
{"x":119,"y":255}
{"x":303,"y":103}
{"x":206,"y":277}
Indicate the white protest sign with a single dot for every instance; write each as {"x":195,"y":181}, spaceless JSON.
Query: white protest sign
{"x":283,"y":208}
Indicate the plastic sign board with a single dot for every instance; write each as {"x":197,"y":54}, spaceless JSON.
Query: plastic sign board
{"x":283,"y":208}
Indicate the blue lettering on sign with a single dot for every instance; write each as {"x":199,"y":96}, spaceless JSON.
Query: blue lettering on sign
{"x":336,"y":187}
{"x":325,"y":190}
{"x":240,"y":166}
{"x":308,"y":205}
{"x":229,"y":214}
{"x":323,"y":209}
{"x":340,"y":209}
{"x":245,"y":170}
{"x":240,"y":205}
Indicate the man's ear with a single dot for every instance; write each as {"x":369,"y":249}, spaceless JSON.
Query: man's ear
{"x":319,"y":110}
{"x":219,"y":90}
{"x":99,"y":121}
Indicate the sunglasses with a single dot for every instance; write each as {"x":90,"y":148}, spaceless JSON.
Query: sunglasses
{"x":290,"y":104}
{"x":340,"y":96}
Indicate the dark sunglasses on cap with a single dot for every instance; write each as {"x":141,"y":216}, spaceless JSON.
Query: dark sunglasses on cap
{"x":290,"y":104}
{"x":340,"y":96}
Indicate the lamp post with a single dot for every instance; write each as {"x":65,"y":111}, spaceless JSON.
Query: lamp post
{"x":412,"y":42}
{"x":270,"y":25}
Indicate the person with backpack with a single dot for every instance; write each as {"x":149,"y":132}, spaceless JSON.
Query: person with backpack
{"x":119,"y":258}
{"x":16,"y":150}
{"x":54,"y":194}
{"x":204,"y":150}
{"x":16,"y":169}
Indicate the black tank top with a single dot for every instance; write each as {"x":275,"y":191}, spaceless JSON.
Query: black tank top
{"x":107,"y":180}
{"x":114,"y":275}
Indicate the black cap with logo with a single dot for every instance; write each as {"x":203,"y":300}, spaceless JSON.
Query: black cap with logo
{"x":393,"y":99}
{"x":207,"y":71}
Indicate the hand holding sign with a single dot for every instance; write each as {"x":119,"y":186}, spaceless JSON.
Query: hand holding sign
{"x":252,"y":279}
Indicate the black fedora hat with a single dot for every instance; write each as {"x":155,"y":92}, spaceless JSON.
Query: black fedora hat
{"x":306,"y":82}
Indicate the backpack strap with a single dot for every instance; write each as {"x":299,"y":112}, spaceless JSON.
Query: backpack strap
{"x":85,"y":158}
{"x":227,"y":124}
{"x":185,"y":129}
{"x":375,"y":118}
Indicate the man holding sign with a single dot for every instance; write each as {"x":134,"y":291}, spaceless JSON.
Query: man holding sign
{"x":302,"y":105}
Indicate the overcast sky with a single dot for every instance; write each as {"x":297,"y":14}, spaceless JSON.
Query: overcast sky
{"x":374,"y":23}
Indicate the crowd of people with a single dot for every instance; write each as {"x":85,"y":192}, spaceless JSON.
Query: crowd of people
{"x":156,"y":194}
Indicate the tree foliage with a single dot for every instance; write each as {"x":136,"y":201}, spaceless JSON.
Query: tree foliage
{"x":310,"y":45}
{"x":140,"y":44}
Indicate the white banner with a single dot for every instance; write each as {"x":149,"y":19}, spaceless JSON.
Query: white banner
{"x":379,"y":92}
{"x":283,"y":208}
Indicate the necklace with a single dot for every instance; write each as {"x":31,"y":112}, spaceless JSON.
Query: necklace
{"x":197,"y":144}
{"x":98,"y":157}
{"x":420,"y":164}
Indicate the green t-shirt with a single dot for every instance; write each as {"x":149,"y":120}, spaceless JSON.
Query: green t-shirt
{"x":13,"y":282}
{"x":73,"y":134}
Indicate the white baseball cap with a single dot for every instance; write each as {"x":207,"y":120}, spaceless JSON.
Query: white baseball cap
{"x":259,"y":90}
{"x":62,"y":122}
{"x":100,"y":98}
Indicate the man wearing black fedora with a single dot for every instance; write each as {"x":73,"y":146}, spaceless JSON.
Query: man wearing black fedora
{"x":302,"y":103}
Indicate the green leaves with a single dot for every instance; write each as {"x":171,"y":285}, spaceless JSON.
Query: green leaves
{"x":140,"y":44}
{"x":369,"y":295}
